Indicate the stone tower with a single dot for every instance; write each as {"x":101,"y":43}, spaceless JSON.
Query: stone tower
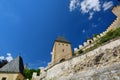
{"x":61,"y":50}
{"x":116,"y":11}
{"x":116,"y":22}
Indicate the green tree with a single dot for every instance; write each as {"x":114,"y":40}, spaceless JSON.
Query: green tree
{"x":28,"y":73}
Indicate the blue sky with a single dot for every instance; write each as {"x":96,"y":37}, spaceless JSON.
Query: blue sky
{"x":29,"y":27}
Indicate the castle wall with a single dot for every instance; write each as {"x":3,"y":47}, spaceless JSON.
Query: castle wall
{"x":100,"y":64}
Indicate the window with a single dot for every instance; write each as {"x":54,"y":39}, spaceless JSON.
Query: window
{"x":4,"y":78}
{"x":63,"y":44}
{"x":62,"y":50}
{"x":90,"y":42}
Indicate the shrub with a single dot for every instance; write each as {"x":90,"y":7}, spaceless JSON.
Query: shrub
{"x":28,"y":73}
{"x":110,"y":35}
{"x":80,"y":51}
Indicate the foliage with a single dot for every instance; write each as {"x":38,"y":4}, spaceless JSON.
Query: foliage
{"x":91,"y":48}
{"x":80,"y":51}
{"x":28,"y":73}
{"x":95,"y":35}
{"x":109,"y":36}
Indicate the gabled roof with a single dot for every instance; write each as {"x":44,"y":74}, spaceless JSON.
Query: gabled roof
{"x":15,"y":66}
{"x":62,"y":39}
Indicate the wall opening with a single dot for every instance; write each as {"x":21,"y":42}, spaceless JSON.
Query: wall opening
{"x":62,"y":60}
{"x":4,"y":78}
{"x":90,"y":42}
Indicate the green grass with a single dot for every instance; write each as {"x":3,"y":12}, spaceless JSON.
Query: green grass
{"x":110,"y":35}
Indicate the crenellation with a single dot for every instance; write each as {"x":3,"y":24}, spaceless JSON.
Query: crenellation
{"x":94,"y":38}
{"x":80,"y":46}
{"x":85,"y":44}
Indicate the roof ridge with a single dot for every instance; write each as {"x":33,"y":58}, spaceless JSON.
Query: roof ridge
{"x":62,"y":39}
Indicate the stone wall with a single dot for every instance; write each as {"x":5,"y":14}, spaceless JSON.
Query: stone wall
{"x":102,"y":63}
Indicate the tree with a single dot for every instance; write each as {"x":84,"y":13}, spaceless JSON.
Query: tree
{"x":28,"y":73}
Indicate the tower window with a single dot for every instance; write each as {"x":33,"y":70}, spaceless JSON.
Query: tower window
{"x":66,"y":44}
{"x":63,"y":44}
{"x":63,"y":50}
{"x":58,"y":43}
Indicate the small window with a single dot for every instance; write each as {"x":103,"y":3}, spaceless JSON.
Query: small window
{"x":58,"y":43}
{"x":90,"y":42}
{"x":63,"y":44}
{"x":4,"y":78}
{"x":66,"y":44}
{"x":62,"y":50}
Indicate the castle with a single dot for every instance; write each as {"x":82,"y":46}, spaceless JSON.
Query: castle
{"x":62,"y":48}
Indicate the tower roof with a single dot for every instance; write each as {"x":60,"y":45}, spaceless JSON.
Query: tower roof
{"x":62,"y":39}
{"x":15,"y":66}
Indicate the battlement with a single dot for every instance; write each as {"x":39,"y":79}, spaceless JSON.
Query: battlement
{"x":89,"y":43}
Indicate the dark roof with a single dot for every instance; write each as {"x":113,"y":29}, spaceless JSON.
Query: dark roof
{"x":62,"y":39}
{"x":15,"y":66}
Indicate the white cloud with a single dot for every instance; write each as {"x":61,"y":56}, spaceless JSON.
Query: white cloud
{"x":107,"y":5}
{"x":2,"y":57}
{"x":73,"y":4}
{"x":91,"y":15}
{"x":9,"y":57}
{"x":89,"y":6}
